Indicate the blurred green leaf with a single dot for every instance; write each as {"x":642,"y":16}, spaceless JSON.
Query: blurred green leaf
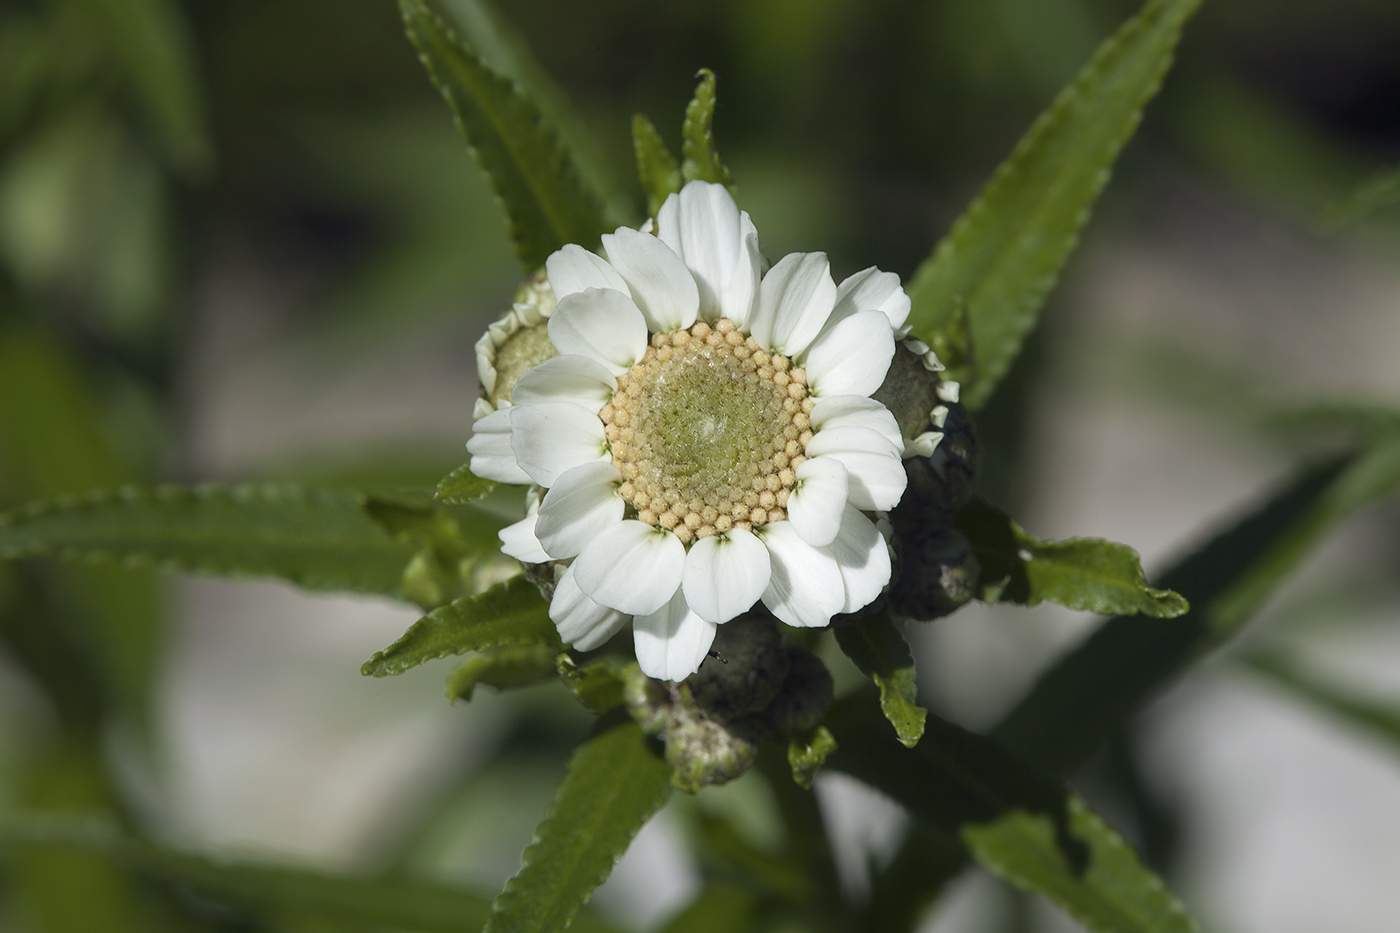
{"x":721,"y":907}
{"x":399,"y":903}
{"x":151,"y":42}
{"x":510,"y":613}
{"x":598,"y":685}
{"x":1027,"y":828}
{"x":462,"y":486}
{"x":1004,"y":254}
{"x":1375,"y":194}
{"x":808,"y":754}
{"x":615,"y":783}
{"x":1379,"y":719}
{"x":545,"y":199}
{"x":878,"y":648}
{"x":317,"y":538}
{"x":700,"y":160}
{"x":656,"y":167}
{"x":1095,"y":689}
{"x":503,"y":668}
{"x":1088,"y":574}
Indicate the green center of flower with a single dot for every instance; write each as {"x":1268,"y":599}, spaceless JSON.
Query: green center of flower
{"x":521,"y":351}
{"x":708,"y":430}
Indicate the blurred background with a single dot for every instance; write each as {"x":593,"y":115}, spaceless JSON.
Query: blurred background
{"x":242,"y":240}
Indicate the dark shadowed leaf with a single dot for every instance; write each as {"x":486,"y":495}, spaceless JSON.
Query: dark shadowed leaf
{"x":508,"y":614}
{"x":614,"y":784}
{"x":722,"y":906}
{"x":503,"y":668}
{"x":1005,"y":253}
{"x":598,"y":685}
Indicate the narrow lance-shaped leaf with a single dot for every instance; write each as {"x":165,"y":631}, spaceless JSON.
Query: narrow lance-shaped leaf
{"x":700,"y":159}
{"x":1376,"y":193}
{"x":656,"y":167}
{"x":317,"y":538}
{"x":504,"y":668}
{"x":1380,"y":719}
{"x":1088,"y":574}
{"x":1025,"y":827}
{"x":615,"y":783}
{"x":882,"y":654}
{"x":539,"y":187}
{"x":510,"y":613}
{"x":1004,"y":254}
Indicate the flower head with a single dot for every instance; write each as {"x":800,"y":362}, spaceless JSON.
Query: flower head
{"x":706,"y":438}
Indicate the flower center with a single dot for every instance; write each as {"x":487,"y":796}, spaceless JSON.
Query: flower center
{"x":708,"y":430}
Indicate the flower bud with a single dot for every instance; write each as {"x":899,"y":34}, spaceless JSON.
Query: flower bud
{"x":937,"y":575}
{"x":805,"y":696}
{"x":515,"y":343}
{"x":745,"y":670}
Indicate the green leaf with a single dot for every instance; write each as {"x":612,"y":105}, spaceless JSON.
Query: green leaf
{"x":546,"y":202}
{"x":1095,"y":689}
{"x":462,"y":486}
{"x":1018,"y":823}
{"x":1005,"y":252}
{"x":807,"y":755}
{"x":398,"y":903}
{"x":614,"y":784}
{"x":1379,"y":719}
{"x":701,"y":161}
{"x":598,"y":685}
{"x":657,"y":168}
{"x":508,"y":614}
{"x":1088,"y":574}
{"x":722,"y":907}
{"x":1376,"y":193}
{"x":504,"y":669}
{"x":317,"y":538}
{"x":880,"y":651}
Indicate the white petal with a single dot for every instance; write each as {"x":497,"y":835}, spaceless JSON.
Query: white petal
{"x":631,"y":567}
{"x":574,"y":269}
{"x":581,"y":502}
{"x":702,"y":225}
{"x":602,"y":325}
{"x":851,"y":358}
{"x":661,"y":285}
{"x":806,"y":588}
{"x":855,"y":411}
{"x":876,"y":469}
{"x":818,"y":500}
{"x":737,"y":300}
{"x":672,"y":642}
{"x":725,"y":575}
{"x":794,"y":301}
{"x":519,"y":541}
{"x":582,"y":622}
{"x":551,"y":439}
{"x":576,"y":379}
{"x":492,"y":456}
{"x":872,"y":290}
{"x":863,"y":558}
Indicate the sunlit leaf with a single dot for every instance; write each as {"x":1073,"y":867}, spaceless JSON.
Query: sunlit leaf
{"x":881,"y":653}
{"x":546,"y":202}
{"x":1096,"y":688}
{"x":615,"y":783}
{"x":1004,"y":254}
{"x":462,"y":486}
{"x":656,"y":167}
{"x":1088,"y":574}
{"x":317,"y":538}
{"x":1027,"y":828}
{"x":700,"y":160}
{"x":806,"y":755}
{"x":508,"y":614}
{"x":503,"y":668}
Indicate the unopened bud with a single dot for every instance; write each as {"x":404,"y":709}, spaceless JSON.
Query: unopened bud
{"x":938,"y":573}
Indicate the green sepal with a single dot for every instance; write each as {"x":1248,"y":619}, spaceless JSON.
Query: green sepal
{"x":317,"y":538}
{"x":598,"y":685}
{"x":503,"y":668}
{"x":542,"y":192}
{"x":1005,"y":252}
{"x":656,"y":167}
{"x":700,"y":160}
{"x":807,"y":755}
{"x":1089,"y":574}
{"x":462,"y":486}
{"x":508,"y":614}
{"x":878,"y":648}
{"x":615,"y":783}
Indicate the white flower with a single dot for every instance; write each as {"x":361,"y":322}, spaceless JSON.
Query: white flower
{"x":706,"y":438}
